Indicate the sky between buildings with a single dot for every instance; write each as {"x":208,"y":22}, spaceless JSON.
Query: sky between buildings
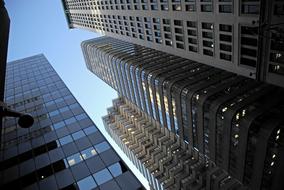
{"x":39,"y":26}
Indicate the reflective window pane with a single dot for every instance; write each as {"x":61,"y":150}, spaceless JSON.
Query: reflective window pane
{"x":87,"y":183}
{"x":117,"y":169}
{"x":101,"y":147}
{"x":74,"y":159}
{"x":89,"y":152}
{"x":70,"y":120}
{"x":65,"y":140}
{"x":90,"y":130}
{"x":81,"y":116}
{"x":78,"y":135}
{"x":58,"y":125}
{"x":102,"y":176}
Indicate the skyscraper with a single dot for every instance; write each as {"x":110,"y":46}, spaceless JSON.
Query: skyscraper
{"x":63,"y":149}
{"x":163,"y":158}
{"x":4,"y":33}
{"x":243,"y":37}
{"x":233,"y":121}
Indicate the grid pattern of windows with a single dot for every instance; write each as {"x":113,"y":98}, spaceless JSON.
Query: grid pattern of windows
{"x":201,"y":105}
{"x":162,"y":24}
{"x":63,"y":148}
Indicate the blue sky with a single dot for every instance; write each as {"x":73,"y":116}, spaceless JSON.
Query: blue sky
{"x":39,"y":26}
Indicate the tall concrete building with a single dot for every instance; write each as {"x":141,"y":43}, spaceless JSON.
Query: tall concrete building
{"x":234,"y":121}
{"x":163,"y":158}
{"x":63,"y":149}
{"x":243,"y":37}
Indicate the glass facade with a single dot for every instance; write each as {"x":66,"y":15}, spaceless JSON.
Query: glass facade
{"x":63,"y":149}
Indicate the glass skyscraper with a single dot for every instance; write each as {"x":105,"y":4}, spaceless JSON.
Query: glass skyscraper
{"x":63,"y":149}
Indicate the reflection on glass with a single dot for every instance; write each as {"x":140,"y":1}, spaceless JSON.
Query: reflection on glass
{"x":74,"y":159}
{"x":102,"y":176}
{"x":90,"y":130}
{"x":117,"y":169}
{"x":101,"y":147}
{"x":87,"y":183}
{"x":78,"y":135}
{"x":65,"y":140}
{"x":89,"y":152}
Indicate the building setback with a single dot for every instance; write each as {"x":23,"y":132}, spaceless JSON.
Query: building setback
{"x":163,"y":158}
{"x":243,"y":37}
{"x":63,"y":149}
{"x":232,"y":120}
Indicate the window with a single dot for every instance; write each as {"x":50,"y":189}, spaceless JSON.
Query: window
{"x":225,"y":8}
{"x":65,"y":140}
{"x":248,"y":62}
{"x":225,"y":56}
{"x":53,"y":113}
{"x":58,"y":125}
{"x":117,"y":169}
{"x":226,"y":38}
{"x":192,"y":48}
{"x":89,"y":152}
{"x":191,"y":24}
{"x":249,"y":52}
{"x":206,"y":8}
{"x":207,"y":52}
{"x":190,"y":8}
{"x":90,"y":130}
{"x":249,"y":30}
{"x":208,"y":43}
{"x":207,"y":35}
{"x":70,"y":120}
{"x":206,"y":25}
{"x":226,"y":47}
{"x":81,"y":116}
{"x":225,"y":28}
{"x":87,"y":183}
{"x":102,"y":176}
{"x":250,"y":9}
{"x":248,"y":41}
{"x":78,"y":135}
{"x":74,"y":159}
{"x":101,"y":147}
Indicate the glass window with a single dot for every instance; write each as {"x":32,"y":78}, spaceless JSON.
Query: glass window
{"x":58,"y":125}
{"x":89,"y":152}
{"x":226,"y":38}
{"x":225,"y":8}
{"x":81,"y":116}
{"x":225,"y":27}
{"x":70,"y":120}
{"x":65,"y":140}
{"x":78,"y":135}
{"x":117,"y":169}
{"x":53,"y":113}
{"x":74,"y":159}
{"x":63,"y":109}
{"x":87,"y":183}
{"x":90,"y":130}
{"x":102,"y":176}
{"x":101,"y":147}
{"x":206,"y":8}
{"x":206,"y":25}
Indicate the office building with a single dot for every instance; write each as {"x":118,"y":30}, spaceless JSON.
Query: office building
{"x":4,"y":34}
{"x":63,"y":149}
{"x":231,"y":35}
{"x":232,"y":120}
{"x":163,"y":158}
